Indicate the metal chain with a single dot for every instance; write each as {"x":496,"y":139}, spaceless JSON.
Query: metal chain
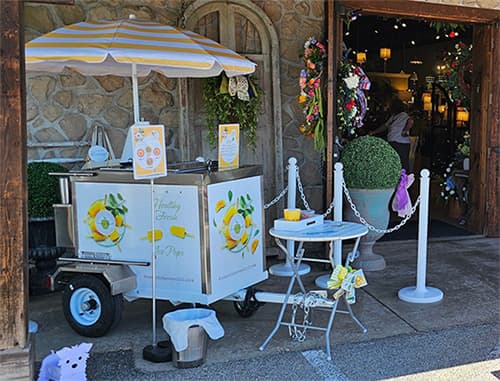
{"x":301,"y":189}
{"x":332,"y":205}
{"x":370,"y":227}
{"x":330,"y":208}
{"x":306,"y":302}
{"x":277,"y":198}
{"x":294,"y":332}
{"x":303,"y":196}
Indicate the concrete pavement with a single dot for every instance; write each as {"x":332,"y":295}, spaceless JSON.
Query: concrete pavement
{"x":457,"y":338}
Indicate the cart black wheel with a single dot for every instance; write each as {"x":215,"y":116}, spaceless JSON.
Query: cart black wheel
{"x":89,"y":307}
{"x":249,"y":305}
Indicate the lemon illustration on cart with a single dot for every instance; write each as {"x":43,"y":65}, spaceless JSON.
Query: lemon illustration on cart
{"x":236,"y":224}
{"x":106,"y":220}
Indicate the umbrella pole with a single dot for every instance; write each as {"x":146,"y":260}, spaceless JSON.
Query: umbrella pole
{"x":135,"y":93}
{"x":161,"y":351}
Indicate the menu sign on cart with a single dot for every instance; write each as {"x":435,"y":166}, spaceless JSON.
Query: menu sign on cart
{"x":148,"y":147}
{"x":229,"y":145}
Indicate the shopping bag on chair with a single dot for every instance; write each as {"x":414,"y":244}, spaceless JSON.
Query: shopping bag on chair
{"x":101,"y":152}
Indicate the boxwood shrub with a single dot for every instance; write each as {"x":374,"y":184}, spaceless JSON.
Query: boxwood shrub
{"x":370,"y":163}
{"x":43,"y":190}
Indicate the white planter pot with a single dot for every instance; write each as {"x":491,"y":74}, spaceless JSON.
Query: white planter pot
{"x":373,"y":205}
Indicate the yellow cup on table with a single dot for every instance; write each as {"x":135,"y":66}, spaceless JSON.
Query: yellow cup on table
{"x":292,"y":214}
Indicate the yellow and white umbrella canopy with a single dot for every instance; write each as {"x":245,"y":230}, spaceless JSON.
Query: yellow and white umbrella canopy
{"x":133,"y":48}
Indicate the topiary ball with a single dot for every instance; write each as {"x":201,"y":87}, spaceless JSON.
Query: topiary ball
{"x":43,"y":189}
{"x":370,"y":163}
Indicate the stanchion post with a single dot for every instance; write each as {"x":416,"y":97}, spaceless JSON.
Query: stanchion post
{"x":421,"y":293}
{"x":286,"y":268}
{"x":338,"y":178}
{"x":291,"y":202}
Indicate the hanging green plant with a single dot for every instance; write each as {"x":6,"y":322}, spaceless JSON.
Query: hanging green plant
{"x":232,"y":100}
{"x":451,"y":29}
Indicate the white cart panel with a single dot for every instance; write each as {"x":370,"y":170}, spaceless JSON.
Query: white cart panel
{"x":114,"y":220}
{"x":236,"y":243}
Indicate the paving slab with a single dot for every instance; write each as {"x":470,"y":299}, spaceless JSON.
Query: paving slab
{"x":466,"y":271}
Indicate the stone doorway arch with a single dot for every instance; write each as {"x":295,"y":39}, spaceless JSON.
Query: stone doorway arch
{"x":243,"y":27}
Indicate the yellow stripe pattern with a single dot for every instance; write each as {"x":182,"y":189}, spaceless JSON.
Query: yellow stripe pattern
{"x":145,"y":43}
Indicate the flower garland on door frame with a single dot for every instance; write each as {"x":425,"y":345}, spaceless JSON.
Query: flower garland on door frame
{"x":310,"y":98}
{"x":351,"y":99}
{"x":458,"y":73}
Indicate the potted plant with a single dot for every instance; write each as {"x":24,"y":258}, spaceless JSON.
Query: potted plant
{"x":372,"y":170}
{"x":43,"y":192}
{"x":225,"y":104}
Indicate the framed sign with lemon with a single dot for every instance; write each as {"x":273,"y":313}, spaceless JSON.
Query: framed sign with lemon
{"x":236,"y":231}
{"x":106,"y":220}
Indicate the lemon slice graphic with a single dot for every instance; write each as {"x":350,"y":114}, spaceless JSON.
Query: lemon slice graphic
{"x":236,"y":227}
{"x":105,"y":222}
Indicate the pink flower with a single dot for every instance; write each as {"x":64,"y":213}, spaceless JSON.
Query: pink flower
{"x":311,"y":64}
{"x":310,"y":93}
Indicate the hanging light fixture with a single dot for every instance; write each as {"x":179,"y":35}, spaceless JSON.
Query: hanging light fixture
{"x":413,"y":79}
{"x":427,"y":101}
{"x":462,"y":116}
{"x":385,"y":54}
{"x":361,"y":57}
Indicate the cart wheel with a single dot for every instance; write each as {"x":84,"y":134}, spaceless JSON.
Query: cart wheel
{"x":89,"y":307}
{"x":249,"y":306}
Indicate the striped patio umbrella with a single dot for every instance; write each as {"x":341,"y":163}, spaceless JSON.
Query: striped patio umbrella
{"x":133,"y":48}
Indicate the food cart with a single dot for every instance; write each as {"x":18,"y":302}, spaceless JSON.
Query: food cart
{"x":208,"y":239}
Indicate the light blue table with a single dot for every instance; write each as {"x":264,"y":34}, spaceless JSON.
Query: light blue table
{"x":329,"y":231}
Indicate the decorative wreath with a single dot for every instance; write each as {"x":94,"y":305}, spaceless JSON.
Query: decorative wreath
{"x":310,"y":98}
{"x":351,"y":100}
{"x":458,"y":73}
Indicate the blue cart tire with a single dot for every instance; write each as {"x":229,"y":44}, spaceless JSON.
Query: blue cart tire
{"x":89,"y":307}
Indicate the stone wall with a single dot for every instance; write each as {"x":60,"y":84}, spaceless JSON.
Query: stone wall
{"x":296,"y":21}
{"x":63,"y":108}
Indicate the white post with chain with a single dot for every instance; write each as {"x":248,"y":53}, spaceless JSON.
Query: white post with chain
{"x":285,"y":269}
{"x":421,"y":293}
{"x":338,"y":176}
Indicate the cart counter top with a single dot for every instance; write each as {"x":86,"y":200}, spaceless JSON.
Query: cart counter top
{"x":176,"y":175}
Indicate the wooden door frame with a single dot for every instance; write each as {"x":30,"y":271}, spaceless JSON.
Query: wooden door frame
{"x":484,"y":160}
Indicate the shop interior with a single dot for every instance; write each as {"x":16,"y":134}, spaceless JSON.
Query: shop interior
{"x":411,"y":59}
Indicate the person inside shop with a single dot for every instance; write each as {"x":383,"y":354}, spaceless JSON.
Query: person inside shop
{"x":398,"y":131}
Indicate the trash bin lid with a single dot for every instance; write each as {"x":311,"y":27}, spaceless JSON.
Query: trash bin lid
{"x":177,"y":324}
